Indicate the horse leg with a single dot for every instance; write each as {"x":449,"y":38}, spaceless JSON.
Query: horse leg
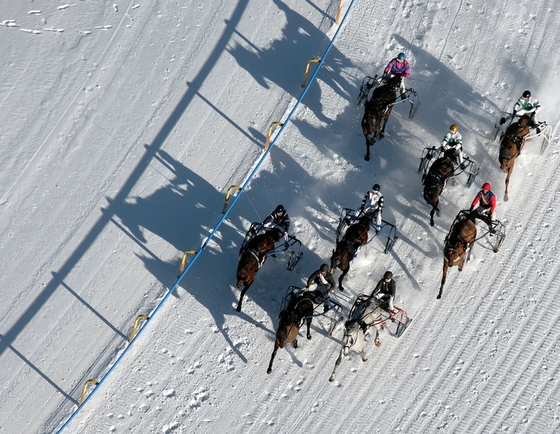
{"x":376,"y":340}
{"x":471,"y":246}
{"x":384,"y":123}
{"x":295,"y":343}
{"x":432,"y":212}
{"x":269,"y":370}
{"x":341,"y":278}
{"x":336,"y":364}
{"x":509,"y":170}
{"x":445,"y":267}
{"x":308,"y":320}
{"x":368,"y":145}
{"x":245,"y":288}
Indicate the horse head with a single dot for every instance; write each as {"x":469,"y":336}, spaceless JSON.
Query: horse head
{"x":357,"y":234}
{"x":351,"y":337}
{"x":453,"y":250}
{"x":433,"y":186}
{"x":249,"y":263}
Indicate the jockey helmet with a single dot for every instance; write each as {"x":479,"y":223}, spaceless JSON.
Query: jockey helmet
{"x":324,"y":267}
{"x":526,"y":94}
{"x":453,"y":128}
{"x":388,"y":275}
{"x":279,"y":209}
{"x":401,"y":57}
{"x":375,"y":187}
{"x":486,"y":186}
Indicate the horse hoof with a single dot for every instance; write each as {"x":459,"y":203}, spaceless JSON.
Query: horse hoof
{"x":238,"y":309}
{"x":269,"y":370}
{"x":331,"y":379}
{"x":432,"y":224}
{"x":309,"y":337}
{"x":364,"y":359}
{"x":366,"y":158}
{"x":381,"y":134}
{"x":377,"y":343}
{"x":438,"y":297}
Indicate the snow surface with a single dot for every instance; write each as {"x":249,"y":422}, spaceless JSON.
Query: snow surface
{"x":124,"y":124}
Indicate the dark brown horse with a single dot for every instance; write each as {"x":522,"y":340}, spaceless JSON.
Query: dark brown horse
{"x":356,"y":236}
{"x":459,"y":243}
{"x":251,"y":259}
{"x":299,"y":308}
{"x":435,"y":181}
{"x":377,"y":111}
{"x":511,"y":145}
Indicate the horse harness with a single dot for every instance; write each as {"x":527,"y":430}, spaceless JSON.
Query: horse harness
{"x":256,"y":256}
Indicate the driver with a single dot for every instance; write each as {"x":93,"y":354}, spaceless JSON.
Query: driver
{"x":385,"y":291}
{"x":484,"y":204}
{"x":278,"y":221}
{"x":453,"y":140}
{"x":526,"y":105}
{"x":321,"y":284}
{"x":400,"y":67}
{"x":372,"y":204}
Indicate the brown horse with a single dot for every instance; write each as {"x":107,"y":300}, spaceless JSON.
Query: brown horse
{"x":511,"y":145}
{"x":299,"y":308}
{"x":356,"y":236}
{"x":377,"y":111}
{"x":252,"y":258}
{"x":435,"y":181}
{"x":459,"y":243}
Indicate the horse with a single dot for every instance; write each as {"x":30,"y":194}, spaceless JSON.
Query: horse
{"x":356,"y":236}
{"x":510,"y":147}
{"x":435,"y":181}
{"x":300,"y":308}
{"x":459,"y":243}
{"x":377,"y":111}
{"x":251,"y":260}
{"x":365,"y":314}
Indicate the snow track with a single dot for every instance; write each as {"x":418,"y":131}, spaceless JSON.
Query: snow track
{"x":121,"y":135}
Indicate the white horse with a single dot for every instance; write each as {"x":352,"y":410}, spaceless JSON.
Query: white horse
{"x":365,"y":313}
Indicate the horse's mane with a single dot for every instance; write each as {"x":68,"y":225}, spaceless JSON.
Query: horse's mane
{"x":383,"y":95}
{"x":364,"y":313}
{"x":356,"y":230}
{"x":456,"y":235}
{"x":298,"y":307}
{"x":261,"y":243}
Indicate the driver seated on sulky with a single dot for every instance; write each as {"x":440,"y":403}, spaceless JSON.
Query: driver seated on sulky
{"x":278,"y":222}
{"x":320,"y":284}
{"x":386,"y":290}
